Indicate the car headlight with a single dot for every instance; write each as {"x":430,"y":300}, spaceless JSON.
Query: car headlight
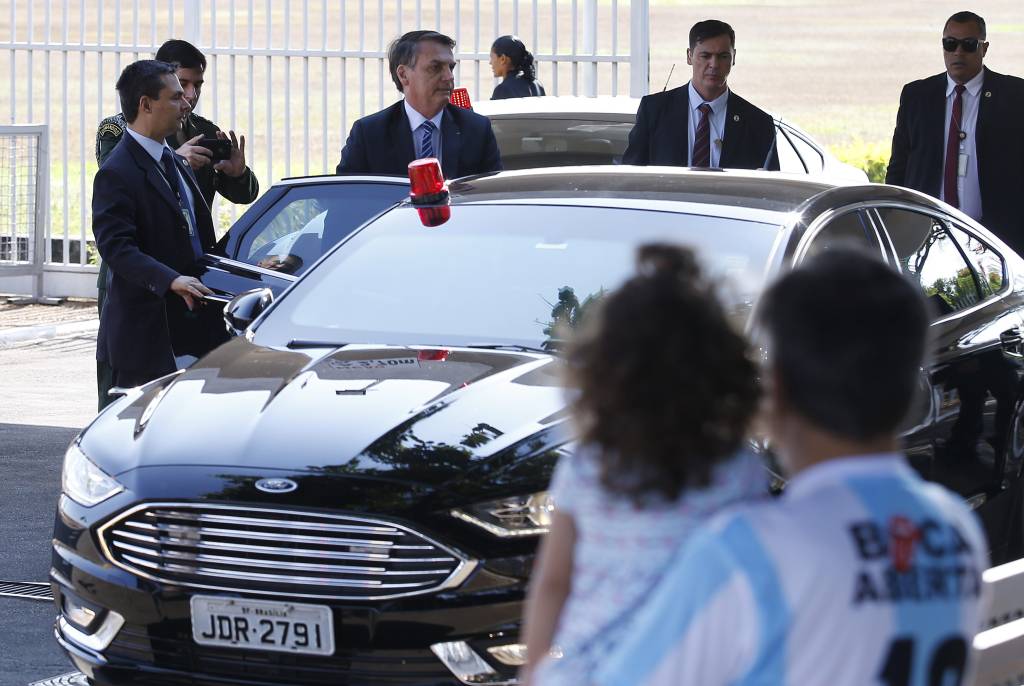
{"x":524,"y":515}
{"x":84,"y":482}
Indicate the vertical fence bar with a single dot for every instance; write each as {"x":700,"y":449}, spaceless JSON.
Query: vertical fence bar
{"x":575,"y":64}
{"x":31,"y":70}
{"x":117,"y":37}
{"x":135,"y":26}
{"x":152,"y":23}
{"x":639,"y":47}
{"x":515,"y":20}
{"x":48,"y":227}
{"x":362,"y":60}
{"x":554,"y":46}
{"x":232,"y":109}
{"x":615,"y":47}
{"x":380,"y":62}
{"x":590,"y":47}
{"x":287,"y":88}
{"x":305,"y":88}
{"x":476,"y":48}
{"x":458,"y":40}
{"x":323,"y":88}
{"x":81,"y":141}
{"x":251,"y":130}
{"x":488,"y":43}
{"x":535,"y":40}
{"x":344,"y":80}
{"x":270,"y":96}
{"x":213,"y":68}
{"x":100,"y":88}
{"x":64,"y":133}
{"x":13,"y":55}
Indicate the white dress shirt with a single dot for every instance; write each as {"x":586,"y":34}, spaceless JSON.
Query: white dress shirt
{"x":717,"y":123}
{"x":415,"y":121}
{"x":968,"y":188}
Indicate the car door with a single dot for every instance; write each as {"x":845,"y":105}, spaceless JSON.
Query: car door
{"x":290,"y":227}
{"x":974,"y":372}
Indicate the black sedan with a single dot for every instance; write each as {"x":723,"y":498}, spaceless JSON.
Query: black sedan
{"x":351,"y":491}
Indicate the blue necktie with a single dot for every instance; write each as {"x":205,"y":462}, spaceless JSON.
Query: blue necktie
{"x":171,"y":173}
{"x":427,"y":139}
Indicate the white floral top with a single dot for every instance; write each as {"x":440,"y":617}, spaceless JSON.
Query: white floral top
{"x":622,"y":550}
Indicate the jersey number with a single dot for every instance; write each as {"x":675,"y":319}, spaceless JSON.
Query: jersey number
{"x":948,"y":660}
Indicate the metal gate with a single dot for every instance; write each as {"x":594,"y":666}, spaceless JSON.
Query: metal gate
{"x":291,"y":75}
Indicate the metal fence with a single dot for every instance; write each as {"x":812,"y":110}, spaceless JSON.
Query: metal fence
{"x":24,"y":187}
{"x":291,"y":75}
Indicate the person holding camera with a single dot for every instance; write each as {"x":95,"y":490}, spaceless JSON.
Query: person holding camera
{"x":217,"y":158}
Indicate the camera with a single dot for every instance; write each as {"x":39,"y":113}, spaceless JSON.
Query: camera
{"x":220,"y":147}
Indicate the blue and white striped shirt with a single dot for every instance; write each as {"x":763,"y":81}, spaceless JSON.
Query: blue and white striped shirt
{"x":861,"y":573}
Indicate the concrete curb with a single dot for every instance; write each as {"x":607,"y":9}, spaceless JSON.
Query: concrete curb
{"x":22,"y":334}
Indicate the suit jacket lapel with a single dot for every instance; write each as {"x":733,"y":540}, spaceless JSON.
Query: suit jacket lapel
{"x":204,"y":216}
{"x":734,"y":124}
{"x":987,"y":113}
{"x":153,"y":175}
{"x":450,"y":145}
{"x":404,"y":149}
{"x":680,"y":112}
{"x":933,"y":121}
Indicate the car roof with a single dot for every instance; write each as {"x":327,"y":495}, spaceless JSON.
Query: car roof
{"x":762,"y":195}
{"x":615,"y":107}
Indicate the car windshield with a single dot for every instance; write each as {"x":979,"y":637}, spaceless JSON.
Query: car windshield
{"x":530,"y":142}
{"x":500,"y":275}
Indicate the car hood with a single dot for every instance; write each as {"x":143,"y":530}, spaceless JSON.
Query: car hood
{"x":395,"y":412}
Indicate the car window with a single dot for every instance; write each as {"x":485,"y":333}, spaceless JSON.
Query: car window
{"x":849,"y":228}
{"x":789,"y":160}
{"x":987,"y":263}
{"x":308,"y":220}
{"x":502,"y":274}
{"x":811,"y":156}
{"x":928,"y":254}
{"x":533,"y":142}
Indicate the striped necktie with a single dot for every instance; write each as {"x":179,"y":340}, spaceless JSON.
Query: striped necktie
{"x":427,"y":139}
{"x":950,"y":192}
{"x":702,"y":139}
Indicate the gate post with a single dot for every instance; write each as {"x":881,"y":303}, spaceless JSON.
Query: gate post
{"x":639,"y":47}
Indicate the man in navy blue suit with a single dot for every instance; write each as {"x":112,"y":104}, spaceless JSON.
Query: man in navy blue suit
{"x":423,"y":123}
{"x":704,"y":124}
{"x":151,"y":225}
{"x":960,"y":135}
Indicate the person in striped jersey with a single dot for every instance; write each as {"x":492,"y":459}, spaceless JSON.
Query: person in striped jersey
{"x":860,"y":572}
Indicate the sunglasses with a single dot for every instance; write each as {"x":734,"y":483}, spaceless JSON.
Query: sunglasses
{"x":950,"y":44}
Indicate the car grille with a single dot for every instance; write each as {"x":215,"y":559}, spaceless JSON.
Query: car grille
{"x":294,"y":553}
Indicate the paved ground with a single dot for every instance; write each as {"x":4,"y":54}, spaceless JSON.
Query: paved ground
{"x":49,"y":379}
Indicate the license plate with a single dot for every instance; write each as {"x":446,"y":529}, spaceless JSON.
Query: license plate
{"x":262,"y":625}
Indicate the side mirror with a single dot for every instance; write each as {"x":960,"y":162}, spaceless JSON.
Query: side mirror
{"x":245,"y":307}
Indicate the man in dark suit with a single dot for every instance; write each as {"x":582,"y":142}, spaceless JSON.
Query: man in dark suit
{"x":704,"y":124}
{"x":151,"y":224}
{"x":960,"y":135}
{"x":424,"y":123}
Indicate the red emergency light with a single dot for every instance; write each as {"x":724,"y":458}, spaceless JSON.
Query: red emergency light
{"x":460,"y":98}
{"x":427,"y":188}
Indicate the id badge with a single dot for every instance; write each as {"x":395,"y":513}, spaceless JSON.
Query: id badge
{"x":961,"y":168}
{"x":192,"y":229}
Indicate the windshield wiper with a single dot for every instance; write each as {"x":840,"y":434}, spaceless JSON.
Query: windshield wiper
{"x":307,"y":343}
{"x":547,"y":347}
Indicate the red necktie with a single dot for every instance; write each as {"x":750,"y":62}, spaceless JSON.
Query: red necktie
{"x":702,"y":139}
{"x":949,"y":190}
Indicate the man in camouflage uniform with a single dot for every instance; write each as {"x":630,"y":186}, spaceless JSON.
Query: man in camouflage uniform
{"x":231,"y":178}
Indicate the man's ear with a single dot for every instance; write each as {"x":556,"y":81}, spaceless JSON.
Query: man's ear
{"x":734,"y":57}
{"x":145,"y":104}
{"x":689,"y":56}
{"x":984,"y":48}
{"x":403,"y":74}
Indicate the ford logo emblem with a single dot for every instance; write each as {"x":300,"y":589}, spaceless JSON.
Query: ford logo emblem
{"x":276,"y":485}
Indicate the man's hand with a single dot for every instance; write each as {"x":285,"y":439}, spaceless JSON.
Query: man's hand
{"x":197,"y":156}
{"x":191,"y":289}
{"x":236,"y":165}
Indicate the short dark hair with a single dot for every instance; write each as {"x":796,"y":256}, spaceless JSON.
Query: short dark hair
{"x":666,"y":385}
{"x":181,"y":53}
{"x":144,"y":77}
{"x":711,"y":28}
{"x":846,"y":338}
{"x":966,"y":17}
{"x":406,"y":49}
